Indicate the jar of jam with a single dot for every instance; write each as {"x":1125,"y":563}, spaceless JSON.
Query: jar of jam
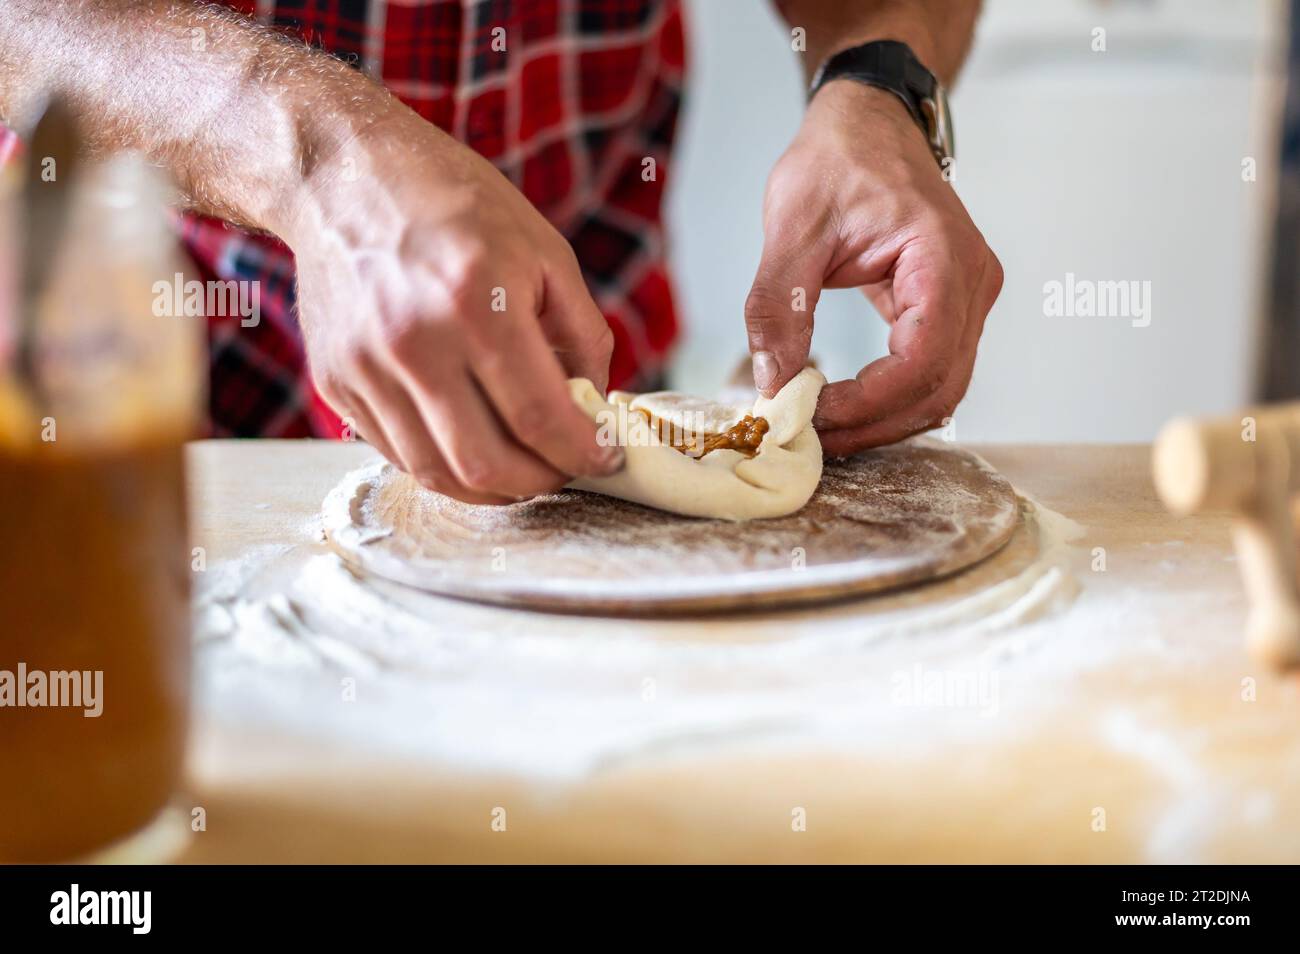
{"x":94,"y":553}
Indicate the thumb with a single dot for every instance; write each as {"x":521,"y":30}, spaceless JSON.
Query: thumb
{"x":779,"y":312}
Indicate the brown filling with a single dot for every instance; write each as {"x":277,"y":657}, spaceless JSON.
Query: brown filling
{"x":744,"y":436}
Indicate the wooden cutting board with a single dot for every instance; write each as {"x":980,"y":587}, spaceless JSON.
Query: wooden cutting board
{"x":1136,"y":696}
{"x":885,"y":519}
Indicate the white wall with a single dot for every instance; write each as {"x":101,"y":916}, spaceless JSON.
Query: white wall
{"x":744,"y":104}
{"x":1114,"y":166}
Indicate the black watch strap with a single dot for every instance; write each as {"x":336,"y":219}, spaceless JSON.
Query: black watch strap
{"x":891,"y":65}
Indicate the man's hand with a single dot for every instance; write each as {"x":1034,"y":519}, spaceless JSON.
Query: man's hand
{"x":442,"y":312}
{"x":443,"y":315}
{"x":859,"y":201}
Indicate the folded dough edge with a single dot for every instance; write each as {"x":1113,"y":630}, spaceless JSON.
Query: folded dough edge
{"x":777,"y":481}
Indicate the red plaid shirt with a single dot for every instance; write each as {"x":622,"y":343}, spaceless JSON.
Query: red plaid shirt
{"x":584,"y":92}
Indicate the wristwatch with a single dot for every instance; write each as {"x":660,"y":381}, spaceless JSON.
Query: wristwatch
{"x":891,"y":65}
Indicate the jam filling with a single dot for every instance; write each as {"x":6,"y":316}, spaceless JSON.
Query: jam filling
{"x":743,"y":437}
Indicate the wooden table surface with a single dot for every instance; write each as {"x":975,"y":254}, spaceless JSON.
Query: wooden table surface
{"x":1129,"y":726}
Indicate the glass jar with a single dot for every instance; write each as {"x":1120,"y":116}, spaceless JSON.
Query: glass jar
{"x":94,"y":551}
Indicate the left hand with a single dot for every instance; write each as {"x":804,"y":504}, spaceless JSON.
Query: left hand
{"x":859,"y":201}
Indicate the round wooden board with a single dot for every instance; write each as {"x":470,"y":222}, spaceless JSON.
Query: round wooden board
{"x":885,"y":519}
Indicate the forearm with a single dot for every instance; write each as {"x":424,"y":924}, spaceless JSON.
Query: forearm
{"x":938,"y":31}
{"x":241,"y":117}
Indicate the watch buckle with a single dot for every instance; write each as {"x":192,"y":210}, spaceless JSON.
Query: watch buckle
{"x":938,"y":125}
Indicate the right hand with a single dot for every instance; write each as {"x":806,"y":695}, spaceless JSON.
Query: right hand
{"x":443,"y":314}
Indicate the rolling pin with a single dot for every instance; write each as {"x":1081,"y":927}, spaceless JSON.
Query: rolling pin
{"x":1248,"y":465}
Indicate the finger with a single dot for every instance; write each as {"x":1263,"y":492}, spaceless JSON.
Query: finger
{"x":779,"y":307}
{"x":932,"y":295}
{"x":355,"y":412}
{"x":526,"y":386}
{"x":850,"y":440}
{"x":367,"y":425}
{"x":413,"y":449}
{"x":932,"y":411}
{"x":575,"y":327}
{"x":481,"y":454}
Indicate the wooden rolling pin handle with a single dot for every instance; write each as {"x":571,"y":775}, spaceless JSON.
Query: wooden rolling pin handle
{"x":1250,"y":466}
{"x":1225,"y":463}
{"x":1265,"y":552}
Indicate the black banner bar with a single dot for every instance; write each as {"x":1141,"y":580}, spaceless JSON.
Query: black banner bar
{"x":1227,"y":904}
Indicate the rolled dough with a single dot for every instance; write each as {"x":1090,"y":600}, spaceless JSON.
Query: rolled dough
{"x":723,"y":484}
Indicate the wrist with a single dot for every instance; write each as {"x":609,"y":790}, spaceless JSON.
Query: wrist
{"x":847,"y":98}
{"x":892,"y":66}
{"x":336,"y":151}
{"x":850,"y":105}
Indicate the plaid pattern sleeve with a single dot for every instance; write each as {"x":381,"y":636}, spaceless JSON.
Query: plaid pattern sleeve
{"x":578,"y":111}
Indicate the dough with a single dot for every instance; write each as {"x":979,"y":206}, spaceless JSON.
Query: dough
{"x":723,"y":483}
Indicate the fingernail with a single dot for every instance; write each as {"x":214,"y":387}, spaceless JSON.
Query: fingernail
{"x":610,"y":460}
{"x":766,"y":370}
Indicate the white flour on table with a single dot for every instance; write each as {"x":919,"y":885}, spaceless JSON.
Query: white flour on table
{"x":286,"y":634}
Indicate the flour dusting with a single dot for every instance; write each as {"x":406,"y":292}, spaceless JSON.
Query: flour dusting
{"x":553,"y":696}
